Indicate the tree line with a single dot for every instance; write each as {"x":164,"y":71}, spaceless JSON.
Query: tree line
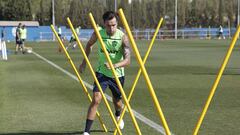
{"x":139,"y":13}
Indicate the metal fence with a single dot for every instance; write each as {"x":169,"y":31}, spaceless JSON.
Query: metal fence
{"x":49,"y":36}
{"x":148,"y":34}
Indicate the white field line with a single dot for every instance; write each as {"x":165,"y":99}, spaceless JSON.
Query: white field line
{"x":142,"y":118}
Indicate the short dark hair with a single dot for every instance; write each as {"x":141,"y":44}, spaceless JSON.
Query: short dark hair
{"x":109,"y":15}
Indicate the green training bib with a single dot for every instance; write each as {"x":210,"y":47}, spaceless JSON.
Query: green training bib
{"x":114,"y":47}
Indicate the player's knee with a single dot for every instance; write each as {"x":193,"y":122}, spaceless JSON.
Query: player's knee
{"x":97,"y":98}
{"x":97,"y":101}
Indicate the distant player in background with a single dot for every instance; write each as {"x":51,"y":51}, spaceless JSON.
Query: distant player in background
{"x":72,"y":43}
{"x":220,"y":33}
{"x":19,"y":45}
{"x":59,"y":31}
{"x":23,"y":38}
{"x":23,"y":35}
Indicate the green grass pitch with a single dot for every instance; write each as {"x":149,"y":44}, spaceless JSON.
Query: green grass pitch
{"x":37,"y":98}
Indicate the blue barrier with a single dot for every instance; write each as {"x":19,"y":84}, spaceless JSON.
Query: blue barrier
{"x":10,"y":32}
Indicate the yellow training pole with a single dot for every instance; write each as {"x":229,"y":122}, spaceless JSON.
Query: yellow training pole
{"x":94,"y":76}
{"x":217,"y":81}
{"x":78,"y":76}
{"x":139,"y":71}
{"x":139,"y":59}
{"x":115,"y":75}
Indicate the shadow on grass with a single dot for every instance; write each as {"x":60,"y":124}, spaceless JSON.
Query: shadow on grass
{"x":53,"y":133}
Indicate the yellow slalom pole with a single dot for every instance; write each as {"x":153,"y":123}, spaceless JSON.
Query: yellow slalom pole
{"x":140,"y":71}
{"x":217,"y":81}
{"x":78,"y":76}
{"x":115,"y":75}
{"x":139,"y":59}
{"x":94,"y":76}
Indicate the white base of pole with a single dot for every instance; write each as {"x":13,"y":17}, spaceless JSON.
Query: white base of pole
{"x":4,"y":50}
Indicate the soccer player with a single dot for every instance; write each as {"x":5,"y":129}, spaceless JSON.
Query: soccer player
{"x":59,"y":31}
{"x":116,"y":42}
{"x":60,"y":36}
{"x":72,"y":41}
{"x":23,"y":39}
{"x":18,"y":39}
{"x":220,"y":33}
{"x":23,"y":35}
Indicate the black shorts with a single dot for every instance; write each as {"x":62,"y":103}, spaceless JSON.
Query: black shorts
{"x":105,"y":82}
{"x":72,"y":40}
{"x":19,"y":41}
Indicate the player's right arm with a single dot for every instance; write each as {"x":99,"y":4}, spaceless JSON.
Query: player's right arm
{"x":88,"y":49}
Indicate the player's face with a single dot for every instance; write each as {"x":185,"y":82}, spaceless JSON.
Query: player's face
{"x":111,"y":26}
